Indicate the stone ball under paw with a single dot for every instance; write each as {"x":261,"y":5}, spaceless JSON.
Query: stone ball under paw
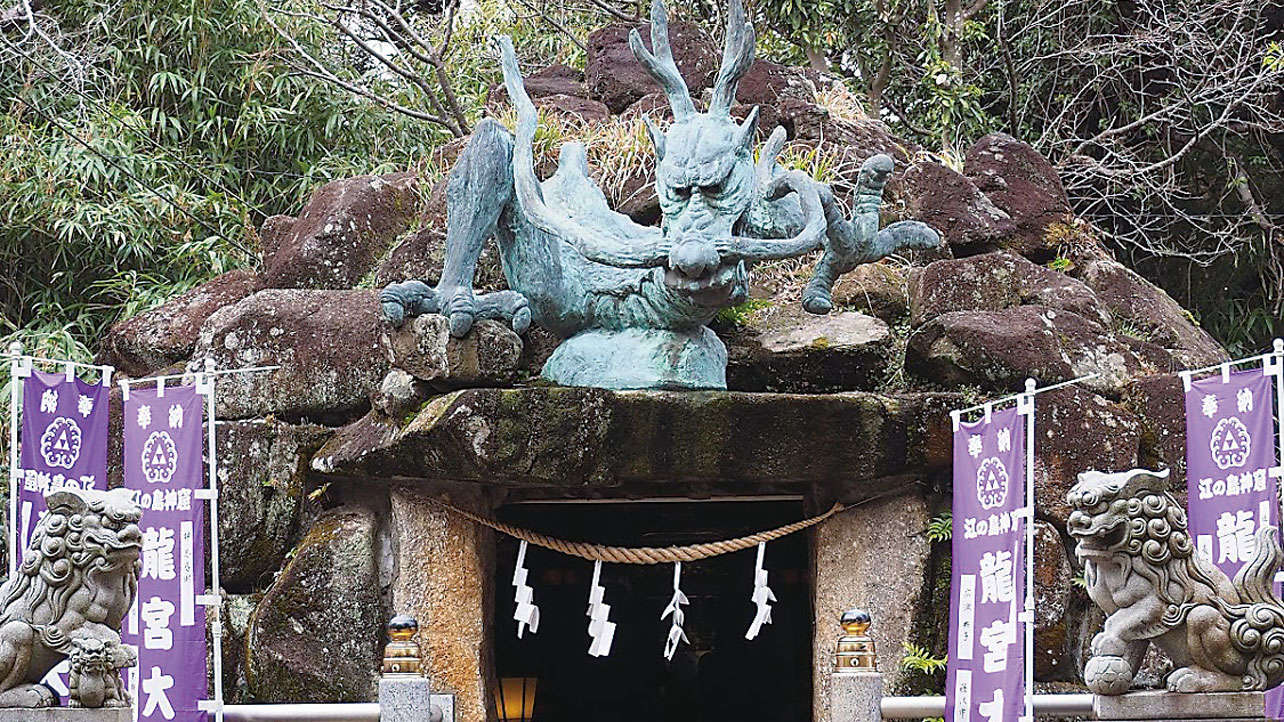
{"x":1108,"y":675}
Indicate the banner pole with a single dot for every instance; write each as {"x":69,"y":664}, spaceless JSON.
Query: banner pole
{"x":15,"y":402}
{"x":217,"y":626}
{"x":1278,"y":369}
{"x":1029,"y":548}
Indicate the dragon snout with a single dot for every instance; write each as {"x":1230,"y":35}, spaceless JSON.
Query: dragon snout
{"x":694,"y":258}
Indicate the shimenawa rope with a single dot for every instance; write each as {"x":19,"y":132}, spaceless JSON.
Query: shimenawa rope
{"x":642,"y":555}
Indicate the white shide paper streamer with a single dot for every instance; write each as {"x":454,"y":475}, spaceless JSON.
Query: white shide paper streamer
{"x":600,"y":628}
{"x":526,"y":614}
{"x":762,"y":596}
{"x":676,"y":634}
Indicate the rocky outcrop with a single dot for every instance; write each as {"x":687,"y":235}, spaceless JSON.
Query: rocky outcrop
{"x":1024,"y":185}
{"x":1076,"y":430}
{"x":550,"y":80}
{"x":616,"y":78}
{"x":341,"y":234}
{"x":166,"y":335}
{"x":768,"y":85}
{"x":788,"y":349}
{"x":1000,"y":349}
{"x":993,"y":282}
{"x":315,"y":636}
{"x":262,"y":464}
{"x":619,"y":443}
{"x":876,"y":289}
{"x":967,"y":220}
{"x":1053,"y":595}
{"x":325,"y":345}
{"x":424,"y":348}
{"x":1149,"y":313}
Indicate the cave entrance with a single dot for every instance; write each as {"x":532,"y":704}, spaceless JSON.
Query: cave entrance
{"x":719,"y":676}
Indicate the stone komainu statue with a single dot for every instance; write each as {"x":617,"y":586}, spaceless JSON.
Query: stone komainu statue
{"x":632,"y":301}
{"x":1142,"y":569}
{"x":78,"y":578}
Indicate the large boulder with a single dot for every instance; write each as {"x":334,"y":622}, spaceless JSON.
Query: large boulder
{"x":1149,"y":312}
{"x":600,"y":442}
{"x":341,"y":234}
{"x":325,"y":345}
{"x":616,"y":78}
{"x":1000,"y":349}
{"x":1160,"y":404}
{"x":877,"y":289}
{"x":550,"y":80}
{"x":261,"y":471}
{"x":1076,"y":430}
{"x":788,"y":349}
{"x":946,"y":200}
{"x":993,"y":282}
{"x":315,"y":636}
{"x":165,"y":335}
{"x":767,"y":85}
{"x":424,"y":348}
{"x":1053,"y":592}
{"x":1024,"y":185}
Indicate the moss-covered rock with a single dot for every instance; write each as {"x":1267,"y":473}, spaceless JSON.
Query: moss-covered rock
{"x":315,"y":636}
{"x":600,"y":442}
{"x":261,"y":483}
{"x":325,"y":343}
{"x":423,"y":347}
{"x":788,"y":349}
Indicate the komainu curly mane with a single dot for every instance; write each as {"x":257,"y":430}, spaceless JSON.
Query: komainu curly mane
{"x":1142,"y":569}
{"x":78,"y":578}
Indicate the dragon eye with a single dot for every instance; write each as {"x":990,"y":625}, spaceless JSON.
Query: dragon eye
{"x":683,"y":192}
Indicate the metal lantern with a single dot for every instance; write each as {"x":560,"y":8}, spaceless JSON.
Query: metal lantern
{"x":515,"y":699}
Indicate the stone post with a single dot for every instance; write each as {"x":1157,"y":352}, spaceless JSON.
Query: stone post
{"x":855,"y":684}
{"x":443,"y":577}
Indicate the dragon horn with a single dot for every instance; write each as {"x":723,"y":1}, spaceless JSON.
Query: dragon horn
{"x":660,"y":65}
{"x":737,"y":56}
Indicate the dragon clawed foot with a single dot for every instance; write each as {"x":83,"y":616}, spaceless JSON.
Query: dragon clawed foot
{"x":461,"y":305}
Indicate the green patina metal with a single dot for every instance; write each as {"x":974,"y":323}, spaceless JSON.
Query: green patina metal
{"x":633,"y":301}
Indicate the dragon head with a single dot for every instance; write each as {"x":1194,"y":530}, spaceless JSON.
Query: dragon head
{"x":704,"y":169}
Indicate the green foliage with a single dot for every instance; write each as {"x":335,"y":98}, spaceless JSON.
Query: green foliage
{"x":918,"y":659}
{"x":741,"y":314}
{"x":941,"y":528}
{"x":1061,"y":263}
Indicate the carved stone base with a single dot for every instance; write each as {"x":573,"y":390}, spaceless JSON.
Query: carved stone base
{"x":66,"y":714}
{"x":1158,"y":705}
{"x":637,"y":358}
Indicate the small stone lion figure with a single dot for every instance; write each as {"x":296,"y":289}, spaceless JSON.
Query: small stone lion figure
{"x":78,"y":578}
{"x":1141,"y":568}
{"x":95,"y":677}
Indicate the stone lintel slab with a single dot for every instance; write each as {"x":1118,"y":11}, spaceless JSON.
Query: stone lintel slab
{"x":1156,"y":705}
{"x":586,"y":438}
{"x":66,"y":714}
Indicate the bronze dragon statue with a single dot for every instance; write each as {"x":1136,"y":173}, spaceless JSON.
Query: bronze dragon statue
{"x":1142,"y":569}
{"x":632,"y":301}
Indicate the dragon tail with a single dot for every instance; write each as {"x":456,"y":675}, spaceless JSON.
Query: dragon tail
{"x":1257,"y":623}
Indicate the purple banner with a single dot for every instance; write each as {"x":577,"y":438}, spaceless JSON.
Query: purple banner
{"x":64,"y":443}
{"x":164,"y":441}
{"x":985,"y":682}
{"x":1230,"y":451}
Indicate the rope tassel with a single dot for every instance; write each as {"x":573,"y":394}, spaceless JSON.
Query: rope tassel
{"x":762,"y":596}
{"x":676,"y":634}
{"x":600,"y":628}
{"x":526,"y":614}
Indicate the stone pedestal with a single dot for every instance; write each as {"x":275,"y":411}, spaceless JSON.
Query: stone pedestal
{"x":406,"y":699}
{"x":443,"y":577}
{"x":875,"y":558}
{"x":856,"y":697}
{"x":1159,"y":705}
{"x":66,"y":714}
